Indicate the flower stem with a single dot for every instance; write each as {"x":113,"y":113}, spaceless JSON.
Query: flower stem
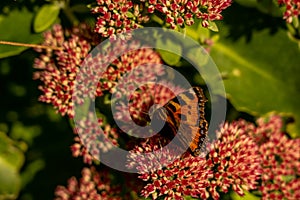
{"x":69,"y":13}
{"x":30,"y":45}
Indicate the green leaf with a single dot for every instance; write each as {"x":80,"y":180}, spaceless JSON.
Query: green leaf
{"x":30,"y":171}
{"x":16,"y":27}
{"x":197,"y":31}
{"x":247,"y":3}
{"x":263,"y":74}
{"x":80,"y":8}
{"x":45,"y":17}
{"x":213,"y":27}
{"x":11,"y":160}
{"x":130,"y":15}
{"x":10,"y":153}
{"x":288,"y":178}
{"x":204,"y":33}
{"x":24,"y":133}
{"x":189,"y":198}
{"x":269,"y":7}
{"x":169,"y":57}
{"x":247,"y":196}
{"x":9,"y":182}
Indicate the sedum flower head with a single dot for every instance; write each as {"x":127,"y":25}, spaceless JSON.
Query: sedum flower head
{"x":169,"y":181}
{"x":117,"y":16}
{"x":281,"y":168}
{"x":184,"y":12}
{"x":92,"y":185}
{"x":232,"y":162}
{"x":57,"y":69}
{"x":122,"y":15}
{"x":132,"y":68}
{"x":292,"y":9}
{"x":90,"y":140}
{"x":104,"y":70}
{"x":280,"y":160}
{"x":235,"y":160}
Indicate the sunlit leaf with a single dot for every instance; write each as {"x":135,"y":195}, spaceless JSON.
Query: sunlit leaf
{"x":9,"y":182}
{"x":213,"y":26}
{"x":263,"y":74}
{"x":169,"y":57}
{"x":248,"y":3}
{"x":45,"y":17}
{"x":16,"y":27}
{"x":11,"y":160}
{"x":247,"y":196}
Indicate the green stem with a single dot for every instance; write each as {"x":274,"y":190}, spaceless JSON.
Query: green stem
{"x":157,"y":19}
{"x":69,"y":14}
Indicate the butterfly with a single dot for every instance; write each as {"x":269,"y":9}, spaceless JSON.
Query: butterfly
{"x":184,"y":115}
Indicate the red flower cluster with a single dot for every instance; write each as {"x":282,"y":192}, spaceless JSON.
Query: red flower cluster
{"x":57,"y":69}
{"x":233,"y":161}
{"x":137,"y":66}
{"x":90,"y":140}
{"x":281,"y":161}
{"x":118,"y":16}
{"x":180,"y":12}
{"x":174,"y":183}
{"x":292,"y":9}
{"x":244,"y":157}
{"x":168,"y":180}
{"x":122,"y":15}
{"x":93,"y":185}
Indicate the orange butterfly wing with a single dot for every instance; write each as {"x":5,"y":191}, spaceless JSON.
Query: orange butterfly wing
{"x":185,"y":115}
